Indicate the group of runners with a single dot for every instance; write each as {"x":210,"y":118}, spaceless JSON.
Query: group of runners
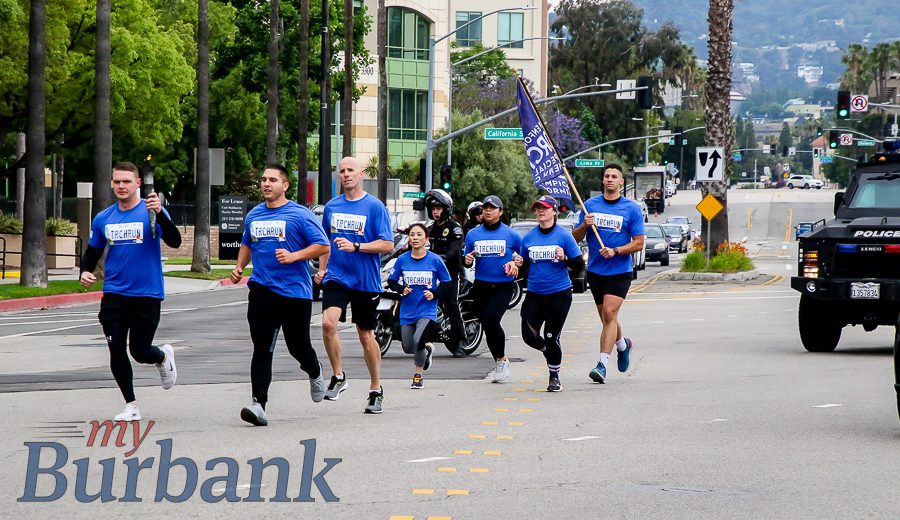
{"x":281,"y":236}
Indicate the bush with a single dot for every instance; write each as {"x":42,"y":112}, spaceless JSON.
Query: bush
{"x":730,"y":262}
{"x":10,"y":224}
{"x":61,"y":227}
{"x":694,"y":262}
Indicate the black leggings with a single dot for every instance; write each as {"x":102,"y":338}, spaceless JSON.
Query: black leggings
{"x":449,"y":303}
{"x":268,"y":312}
{"x":490,"y":301}
{"x":134,"y":318}
{"x":549,"y":311}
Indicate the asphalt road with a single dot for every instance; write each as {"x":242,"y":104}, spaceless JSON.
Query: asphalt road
{"x":721,"y":415}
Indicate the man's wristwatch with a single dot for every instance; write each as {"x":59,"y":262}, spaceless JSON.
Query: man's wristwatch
{"x":616,"y":250}
{"x":356,"y":246}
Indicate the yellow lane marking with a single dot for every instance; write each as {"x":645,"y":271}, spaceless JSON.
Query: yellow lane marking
{"x":526,"y":381}
{"x":526,"y":410}
{"x":510,"y":398}
{"x":790,"y":222}
{"x":439,"y":518}
{"x":501,"y":409}
{"x":519,"y":389}
{"x":462,"y":452}
{"x":540,"y":389}
{"x":457,"y":492}
{"x":515,"y":423}
{"x":478,"y":470}
{"x":535,"y":374}
{"x":423,"y":491}
{"x":398,"y":517}
{"x":447,"y":470}
{"x":489,"y":423}
{"x":533,"y":399}
{"x":477,"y":437}
{"x":505,"y":437}
{"x":493,"y":452}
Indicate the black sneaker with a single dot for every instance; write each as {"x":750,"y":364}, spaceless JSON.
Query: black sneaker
{"x":375,"y":400}
{"x":430,"y":348}
{"x":554,"y":385}
{"x":336,"y":387}
{"x":460,"y":351}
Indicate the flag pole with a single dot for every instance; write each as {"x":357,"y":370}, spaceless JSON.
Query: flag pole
{"x":561,"y":162}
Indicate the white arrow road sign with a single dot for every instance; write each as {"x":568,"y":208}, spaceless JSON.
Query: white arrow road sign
{"x":710,"y":164}
{"x":859,"y":103}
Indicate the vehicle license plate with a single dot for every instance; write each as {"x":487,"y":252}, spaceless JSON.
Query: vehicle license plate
{"x":865,"y":291}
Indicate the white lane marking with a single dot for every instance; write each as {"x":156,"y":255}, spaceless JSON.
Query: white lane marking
{"x":732,"y":315}
{"x":170,"y":311}
{"x":657,"y":323}
{"x":25,"y":323}
{"x":788,"y":267}
{"x":830,"y":405}
{"x":429,"y":459}
{"x":585,"y":438}
{"x":42,"y":316}
{"x":763,"y":312}
{"x":242,"y":302}
{"x":714,"y":421}
{"x":23,"y":334}
{"x":242,"y":486}
{"x":707,"y":299}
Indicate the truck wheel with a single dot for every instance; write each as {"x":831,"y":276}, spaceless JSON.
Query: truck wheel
{"x":818,"y":330}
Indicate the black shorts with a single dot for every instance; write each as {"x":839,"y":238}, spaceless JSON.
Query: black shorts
{"x":614,"y":284}
{"x":364,"y":304}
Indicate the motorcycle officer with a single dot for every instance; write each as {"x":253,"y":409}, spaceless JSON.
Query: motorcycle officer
{"x":446,"y":237}
{"x":475,"y":216}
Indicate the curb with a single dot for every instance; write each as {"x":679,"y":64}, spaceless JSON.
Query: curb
{"x":46,"y":302}
{"x":742,"y":276}
{"x":226,"y":282}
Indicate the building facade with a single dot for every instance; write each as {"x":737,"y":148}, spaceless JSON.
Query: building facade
{"x":411,"y":24}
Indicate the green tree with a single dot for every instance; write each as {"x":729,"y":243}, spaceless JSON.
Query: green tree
{"x":489,"y":68}
{"x":785,"y":139}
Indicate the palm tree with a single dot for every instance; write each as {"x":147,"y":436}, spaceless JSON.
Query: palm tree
{"x":303,"y":103}
{"x":200,"y":261}
{"x":857,"y":77}
{"x":881,"y":62}
{"x":347,"y":103}
{"x":272,"y":91}
{"x":102,"y":195}
{"x":34,"y":259}
{"x":382,"y":102}
{"x":718,"y":115}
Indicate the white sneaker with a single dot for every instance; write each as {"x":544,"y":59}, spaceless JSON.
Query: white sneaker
{"x":167,"y":371}
{"x":130,"y":413}
{"x":501,"y":372}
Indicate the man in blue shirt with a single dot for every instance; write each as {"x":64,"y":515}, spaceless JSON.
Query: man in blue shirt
{"x":359,"y":228}
{"x":133,"y":285}
{"x":621,"y":227}
{"x":280,"y":236}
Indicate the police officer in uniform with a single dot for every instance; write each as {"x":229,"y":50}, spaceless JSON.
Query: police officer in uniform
{"x":447,"y":241}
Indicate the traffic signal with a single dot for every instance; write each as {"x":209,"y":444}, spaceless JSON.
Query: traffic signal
{"x":818,"y":131}
{"x":422,"y":187}
{"x":446,"y":177}
{"x":784,"y":151}
{"x":645,"y":96}
{"x":816,"y":153}
{"x":834,"y":139}
{"x":843,"y":104}
{"x":679,"y":136}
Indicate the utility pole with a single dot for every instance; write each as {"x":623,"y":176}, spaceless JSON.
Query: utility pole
{"x":324,"y":123}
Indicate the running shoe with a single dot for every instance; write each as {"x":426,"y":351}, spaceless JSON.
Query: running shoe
{"x":460,"y":351}
{"x":336,"y":388}
{"x":254,"y":414}
{"x":130,"y":413}
{"x":417,"y":383}
{"x":376,"y":397}
{"x":430,"y":348}
{"x":167,"y":371}
{"x":598,"y":374}
{"x":501,"y":371}
{"x":624,"y":357}
{"x":554,"y":385}
{"x":317,"y":386}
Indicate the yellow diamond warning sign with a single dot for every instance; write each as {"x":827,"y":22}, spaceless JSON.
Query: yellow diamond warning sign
{"x":709,"y":207}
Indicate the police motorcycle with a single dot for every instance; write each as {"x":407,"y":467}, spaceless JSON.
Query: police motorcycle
{"x":387,"y":326}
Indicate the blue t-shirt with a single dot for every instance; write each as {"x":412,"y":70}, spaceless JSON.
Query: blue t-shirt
{"x":546,"y":275}
{"x":617,"y":223}
{"x":134,"y":260}
{"x":363,"y":220}
{"x":421,"y":274}
{"x":291,"y":227}
{"x":492,"y":250}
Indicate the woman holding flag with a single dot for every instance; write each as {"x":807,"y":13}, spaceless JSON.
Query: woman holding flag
{"x":549,"y":252}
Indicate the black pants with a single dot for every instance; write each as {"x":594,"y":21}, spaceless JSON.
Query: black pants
{"x":549,"y":311}
{"x":131,"y":318}
{"x":490,"y":301}
{"x":268,"y":312}
{"x":450,"y":307}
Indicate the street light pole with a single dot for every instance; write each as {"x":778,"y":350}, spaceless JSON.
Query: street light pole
{"x":432,"y":43}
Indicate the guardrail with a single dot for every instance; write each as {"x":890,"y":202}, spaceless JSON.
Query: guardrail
{"x":4,"y":252}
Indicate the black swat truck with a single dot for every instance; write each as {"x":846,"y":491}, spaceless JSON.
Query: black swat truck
{"x":849,"y":267}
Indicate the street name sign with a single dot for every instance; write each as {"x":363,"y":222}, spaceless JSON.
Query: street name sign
{"x":414,"y":195}
{"x":496,"y":134}
{"x":710,"y":164}
{"x":709,"y":207}
{"x":589,"y":163}
{"x":827,"y":159}
{"x":736,"y":156}
{"x":865,"y":142}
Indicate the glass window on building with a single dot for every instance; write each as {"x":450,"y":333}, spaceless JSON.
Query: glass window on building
{"x":407,"y":114}
{"x":407,"y":34}
{"x":470,"y":35}
{"x":510,"y":27}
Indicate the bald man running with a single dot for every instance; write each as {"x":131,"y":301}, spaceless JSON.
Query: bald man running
{"x":359,"y":229}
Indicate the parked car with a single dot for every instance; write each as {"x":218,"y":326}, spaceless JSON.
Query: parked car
{"x":644,"y":211}
{"x":656,"y":244}
{"x":579,"y":280}
{"x":671,"y":189}
{"x":679,"y":240}
{"x":683,"y":222}
{"x":804,"y":181}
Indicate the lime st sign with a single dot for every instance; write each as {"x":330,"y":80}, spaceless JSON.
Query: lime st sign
{"x":496,"y":134}
{"x":589,"y":163}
